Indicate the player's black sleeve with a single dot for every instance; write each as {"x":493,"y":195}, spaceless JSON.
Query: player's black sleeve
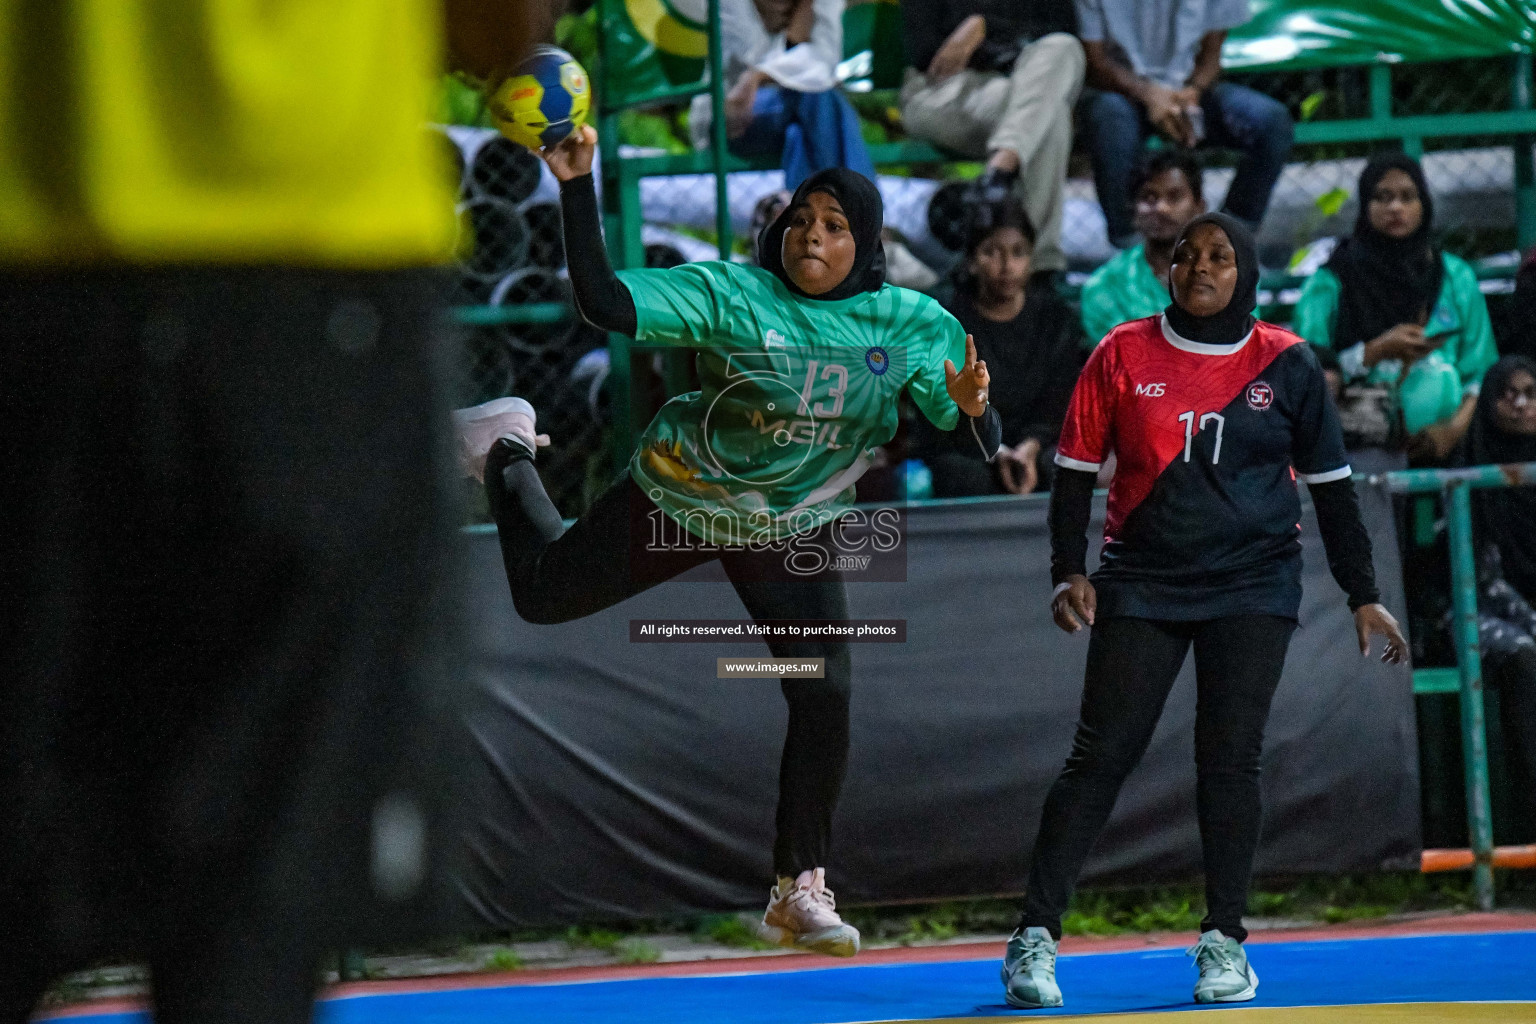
{"x":601,"y":298}
{"x":987,"y":429}
{"x":1071,"y":505}
{"x":1345,"y":540}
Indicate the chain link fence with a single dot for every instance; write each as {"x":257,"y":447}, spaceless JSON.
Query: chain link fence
{"x":512,"y":262}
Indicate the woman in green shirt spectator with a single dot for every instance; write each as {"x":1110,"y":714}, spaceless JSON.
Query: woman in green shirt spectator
{"x":1391,"y":309}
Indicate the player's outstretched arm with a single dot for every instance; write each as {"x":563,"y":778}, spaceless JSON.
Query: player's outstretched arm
{"x":602,"y":299}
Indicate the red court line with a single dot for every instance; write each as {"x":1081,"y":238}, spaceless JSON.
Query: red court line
{"x":1450,"y":925}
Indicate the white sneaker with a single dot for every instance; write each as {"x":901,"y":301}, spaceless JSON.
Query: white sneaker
{"x":802,"y":914}
{"x":479,"y":427}
{"x":1226,"y":976}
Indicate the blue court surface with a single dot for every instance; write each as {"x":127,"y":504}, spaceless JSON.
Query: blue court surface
{"x":1498,"y":967}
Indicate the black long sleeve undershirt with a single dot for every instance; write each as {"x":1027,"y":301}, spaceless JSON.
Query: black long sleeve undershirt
{"x":988,"y":431}
{"x":1345,"y":539}
{"x":601,"y":298}
{"x":1071,"y":505}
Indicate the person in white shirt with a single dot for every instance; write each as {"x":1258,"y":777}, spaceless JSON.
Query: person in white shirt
{"x":780,"y":59}
{"x":1153,"y":65}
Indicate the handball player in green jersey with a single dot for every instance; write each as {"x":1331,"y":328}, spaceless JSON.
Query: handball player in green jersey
{"x":801,"y":362}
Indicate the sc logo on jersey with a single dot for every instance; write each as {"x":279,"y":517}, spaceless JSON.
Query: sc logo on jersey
{"x":877,"y":360}
{"x":1259,"y":395}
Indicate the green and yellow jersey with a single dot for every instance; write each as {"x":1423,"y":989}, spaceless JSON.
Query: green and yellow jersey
{"x":794,"y":395}
{"x":223,"y":131}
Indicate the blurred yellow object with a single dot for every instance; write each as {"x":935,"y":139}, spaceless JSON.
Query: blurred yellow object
{"x":223,"y":131}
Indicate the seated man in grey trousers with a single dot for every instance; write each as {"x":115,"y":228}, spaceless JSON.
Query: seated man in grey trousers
{"x":997,"y":80}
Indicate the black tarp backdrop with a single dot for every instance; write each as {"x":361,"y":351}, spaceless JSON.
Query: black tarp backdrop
{"x":617,"y":779}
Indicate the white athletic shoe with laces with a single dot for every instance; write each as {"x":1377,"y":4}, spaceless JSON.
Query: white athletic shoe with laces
{"x":802,"y":914}
{"x":1226,"y":976}
{"x":478,"y":428}
{"x":1029,"y":970}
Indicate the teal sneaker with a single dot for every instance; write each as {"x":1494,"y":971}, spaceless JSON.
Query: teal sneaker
{"x":1029,"y":970}
{"x":1226,"y":976}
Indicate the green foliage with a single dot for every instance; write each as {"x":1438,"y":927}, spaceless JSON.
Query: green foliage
{"x":729,"y":930}
{"x":460,"y":101}
{"x":643,"y":128}
{"x":1310,"y":103}
{"x":634,"y":952}
{"x":593,"y":938}
{"x":577,"y":35}
{"x":1144,"y":910}
{"x":504,"y":960}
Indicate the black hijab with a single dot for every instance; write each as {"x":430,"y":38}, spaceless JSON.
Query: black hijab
{"x":861,"y":204}
{"x":1233,"y":323}
{"x":1385,"y":281}
{"x":1506,"y":517}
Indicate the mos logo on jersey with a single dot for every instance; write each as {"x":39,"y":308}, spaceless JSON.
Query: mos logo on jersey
{"x":877,"y":360}
{"x":1151,"y":390}
{"x":1259,"y":395}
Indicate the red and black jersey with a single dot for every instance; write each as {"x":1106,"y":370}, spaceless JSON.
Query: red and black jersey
{"x":1204,"y":514}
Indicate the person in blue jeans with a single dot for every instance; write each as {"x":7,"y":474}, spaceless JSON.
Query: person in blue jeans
{"x":780,"y":59}
{"x":1153,"y":65}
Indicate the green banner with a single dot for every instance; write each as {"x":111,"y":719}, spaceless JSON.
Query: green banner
{"x":651,"y":45}
{"x":1299,"y":33}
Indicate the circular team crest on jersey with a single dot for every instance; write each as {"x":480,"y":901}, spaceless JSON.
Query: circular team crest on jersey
{"x":1259,"y":396}
{"x":877,"y":360}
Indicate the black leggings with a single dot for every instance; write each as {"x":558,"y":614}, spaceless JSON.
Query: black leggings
{"x":1132,"y":664}
{"x":558,"y":575}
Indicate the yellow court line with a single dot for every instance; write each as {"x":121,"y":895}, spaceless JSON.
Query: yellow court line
{"x":1368,"y":1013}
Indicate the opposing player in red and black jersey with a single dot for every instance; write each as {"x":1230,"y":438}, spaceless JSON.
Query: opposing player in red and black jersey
{"x":1213,"y":418}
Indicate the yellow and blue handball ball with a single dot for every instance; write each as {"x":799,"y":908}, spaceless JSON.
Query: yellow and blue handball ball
{"x":545,"y":99}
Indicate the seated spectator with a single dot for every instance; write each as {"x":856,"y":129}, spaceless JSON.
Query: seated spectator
{"x":1153,"y":65}
{"x":1503,"y":430}
{"x":997,"y":79}
{"x":1402,"y":321}
{"x":1168,"y":193}
{"x":1031,"y":343}
{"x":1521,"y":339}
{"x":780,"y":59}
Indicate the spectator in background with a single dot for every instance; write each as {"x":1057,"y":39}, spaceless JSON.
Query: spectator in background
{"x":1404,"y":323}
{"x":1031,"y":343}
{"x":1521,"y":339}
{"x":1154,"y":64}
{"x":1168,"y":194}
{"x":780,"y":59}
{"x":996,"y":79}
{"x":1503,"y":430}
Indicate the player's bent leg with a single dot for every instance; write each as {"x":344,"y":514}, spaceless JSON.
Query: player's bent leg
{"x":479,"y":427}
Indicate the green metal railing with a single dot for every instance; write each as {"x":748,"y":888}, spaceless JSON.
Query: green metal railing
{"x":1456,"y":486}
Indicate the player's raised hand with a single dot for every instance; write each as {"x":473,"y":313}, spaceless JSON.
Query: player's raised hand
{"x":571,"y":157}
{"x":1373,"y":619}
{"x":1074,"y":604}
{"x":968,"y":385}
